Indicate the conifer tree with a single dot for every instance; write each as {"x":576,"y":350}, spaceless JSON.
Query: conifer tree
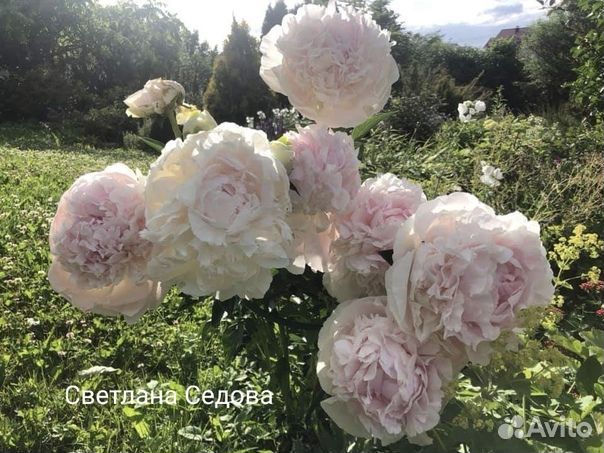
{"x":235,"y":89}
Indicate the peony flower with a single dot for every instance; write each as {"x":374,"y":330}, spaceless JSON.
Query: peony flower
{"x":312,"y":237}
{"x":491,"y":176}
{"x":463,"y":272}
{"x":98,"y":255}
{"x":334,"y":66}
{"x":325,"y":170}
{"x":356,"y":268}
{"x":156,"y":97}
{"x":382,"y":382}
{"x":480,"y":106}
{"x":216,"y":205}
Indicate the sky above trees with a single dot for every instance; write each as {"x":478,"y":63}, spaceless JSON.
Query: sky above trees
{"x":468,"y":22}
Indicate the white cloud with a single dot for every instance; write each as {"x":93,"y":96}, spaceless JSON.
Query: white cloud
{"x":427,"y":13}
{"x":212,"y":18}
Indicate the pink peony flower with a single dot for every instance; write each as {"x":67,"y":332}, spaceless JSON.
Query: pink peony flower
{"x":334,"y":66}
{"x":465,"y":273}
{"x":98,"y":255}
{"x":383,"y":383}
{"x":216,"y":205}
{"x":369,"y":226}
{"x":325,"y":170}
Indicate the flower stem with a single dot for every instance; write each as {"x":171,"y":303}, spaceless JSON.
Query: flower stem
{"x":273,"y":316}
{"x":175,"y":129}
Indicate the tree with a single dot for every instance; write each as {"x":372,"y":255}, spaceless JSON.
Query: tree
{"x":546,"y":55}
{"x":389,"y":20}
{"x":76,"y":60}
{"x":235,"y":89}
{"x":588,"y":53}
{"x":274,"y":16}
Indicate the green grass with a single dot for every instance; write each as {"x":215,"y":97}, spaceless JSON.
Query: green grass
{"x":550,"y":173}
{"x":45,"y":342}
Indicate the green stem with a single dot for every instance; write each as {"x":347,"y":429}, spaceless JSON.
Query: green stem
{"x":175,"y":129}
{"x":287,"y":396}
{"x":273,"y":316}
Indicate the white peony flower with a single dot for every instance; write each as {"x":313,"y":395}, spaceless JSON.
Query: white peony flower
{"x":491,"y":176}
{"x":334,"y":66}
{"x":480,"y":106}
{"x":156,"y":96}
{"x":216,"y":206}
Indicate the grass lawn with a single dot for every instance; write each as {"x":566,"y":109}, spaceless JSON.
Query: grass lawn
{"x":45,"y":342}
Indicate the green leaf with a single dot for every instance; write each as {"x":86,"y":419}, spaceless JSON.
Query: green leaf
{"x":599,"y":390}
{"x":130,"y":412}
{"x":155,"y":144}
{"x":588,"y":374}
{"x":142,"y":429}
{"x":364,"y":128}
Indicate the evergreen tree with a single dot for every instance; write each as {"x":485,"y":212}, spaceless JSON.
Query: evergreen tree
{"x":273,"y":16}
{"x":235,"y":89}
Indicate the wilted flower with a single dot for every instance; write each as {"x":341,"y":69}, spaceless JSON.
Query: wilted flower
{"x":463,"y":272}
{"x":334,"y":66}
{"x":382,"y":382}
{"x":216,"y":205}
{"x":157,"y":96}
{"x":491,"y":176}
{"x":98,"y":256}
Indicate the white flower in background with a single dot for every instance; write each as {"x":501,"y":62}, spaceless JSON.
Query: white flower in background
{"x":463,"y":272}
{"x":99,"y":258}
{"x":249,"y":121}
{"x":491,"y":176}
{"x":368,"y":226}
{"x":216,"y":205}
{"x":31,"y":322}
{"x":156,"y":97}
{"x":469,"y":109}
{"x":382,"y":382}
{"x":334,"y":65}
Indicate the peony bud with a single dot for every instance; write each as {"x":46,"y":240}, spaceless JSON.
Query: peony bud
{"x":199,"y":121}
{"x":283,"y":152}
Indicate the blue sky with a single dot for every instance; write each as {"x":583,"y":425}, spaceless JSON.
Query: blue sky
{"x":470,"y":22}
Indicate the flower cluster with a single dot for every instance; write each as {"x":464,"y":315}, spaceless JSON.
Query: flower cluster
{"x":468,"y":110}
{"x":491,"y":176}
{"x":424,"y":286}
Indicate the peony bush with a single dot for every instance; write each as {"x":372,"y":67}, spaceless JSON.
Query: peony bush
{"x":405,"y":292}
